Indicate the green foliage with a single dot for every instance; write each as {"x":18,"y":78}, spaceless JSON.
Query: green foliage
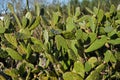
{"x":14,"y":54}
{"x":109,"y":57}
{"x":11,"y":39}
{"x":2,"y":29}
{"x":98,"y":43}
{"x":4,"y":24}
{"x":95,"y":75}
{"x":79,"y":68}
{"x":61,"y":45}
{"x":71,"y":76}
{"x":70,"y":24}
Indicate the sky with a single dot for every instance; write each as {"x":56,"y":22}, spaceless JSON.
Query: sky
{"x":3,"y":3}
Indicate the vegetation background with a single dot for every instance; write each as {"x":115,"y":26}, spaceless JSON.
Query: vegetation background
{"x":58,"y":40}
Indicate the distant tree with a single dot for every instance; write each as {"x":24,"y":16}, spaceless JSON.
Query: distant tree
{"x":27,"y":5}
